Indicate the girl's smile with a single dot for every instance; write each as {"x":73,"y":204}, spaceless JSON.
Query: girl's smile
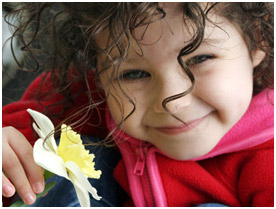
{"x":223,"y":71}
{"x":177,"y":129}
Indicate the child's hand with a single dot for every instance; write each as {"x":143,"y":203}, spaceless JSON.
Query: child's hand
{"x":19,"y":171}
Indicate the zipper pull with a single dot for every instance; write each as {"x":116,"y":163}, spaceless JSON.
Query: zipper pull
{"x":141,"y":159}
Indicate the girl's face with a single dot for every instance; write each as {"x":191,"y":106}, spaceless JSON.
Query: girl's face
{"x":223,"y":88}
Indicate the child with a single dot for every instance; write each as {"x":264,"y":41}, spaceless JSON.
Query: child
{"x":184,"y":89}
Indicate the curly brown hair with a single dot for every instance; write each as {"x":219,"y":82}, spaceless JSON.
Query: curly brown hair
{"x":58,"y":36}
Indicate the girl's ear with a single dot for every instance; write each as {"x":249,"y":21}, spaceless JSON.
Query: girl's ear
{"x":257,"y":57}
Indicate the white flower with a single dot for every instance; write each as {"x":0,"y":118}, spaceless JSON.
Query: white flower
{"x":69,"y":160}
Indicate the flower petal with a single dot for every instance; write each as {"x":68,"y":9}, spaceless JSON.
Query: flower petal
{"x":80,"y":179}
{"x":82,"y":193}
{"x":48,"y":159}
{"x":49,"y":143}
{"x":45,"y":127}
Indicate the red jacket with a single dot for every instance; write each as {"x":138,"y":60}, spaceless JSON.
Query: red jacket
{"x":242,"y":178}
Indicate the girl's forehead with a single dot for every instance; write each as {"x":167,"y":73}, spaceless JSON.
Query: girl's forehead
{"x":172,"y":31}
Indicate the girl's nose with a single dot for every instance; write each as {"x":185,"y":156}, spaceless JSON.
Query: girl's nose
{"x":167,"y":94}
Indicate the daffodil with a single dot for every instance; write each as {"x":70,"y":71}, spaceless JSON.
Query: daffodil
{"x":69,"y":159}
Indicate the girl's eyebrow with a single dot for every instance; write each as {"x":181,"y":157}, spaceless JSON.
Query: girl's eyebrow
{"x":207,"y":42}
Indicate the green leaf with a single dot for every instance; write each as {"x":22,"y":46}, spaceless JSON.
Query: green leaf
{"x":18,"y":203}
{"x":47,"y":174}
{"x":48,"y":187}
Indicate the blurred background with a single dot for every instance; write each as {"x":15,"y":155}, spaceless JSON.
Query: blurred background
{"x":14,"y":81}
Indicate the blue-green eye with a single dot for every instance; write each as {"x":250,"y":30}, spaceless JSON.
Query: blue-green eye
{"x":199,"y":59}
{"x":131,"y":75}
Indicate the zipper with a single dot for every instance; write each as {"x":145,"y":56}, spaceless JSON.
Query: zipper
{"x":150,"y":198}
{"x":140,"y":170}
{"x":141,"y":151}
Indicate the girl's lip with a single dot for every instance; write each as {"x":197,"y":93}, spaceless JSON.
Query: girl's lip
{"x":181,"y":128}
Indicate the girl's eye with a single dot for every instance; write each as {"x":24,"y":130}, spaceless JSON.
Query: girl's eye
{"x":199,"y":59}
{"x":132,"y":75}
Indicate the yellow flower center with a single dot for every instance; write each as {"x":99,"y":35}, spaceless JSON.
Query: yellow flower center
{"x":71,"y":149}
